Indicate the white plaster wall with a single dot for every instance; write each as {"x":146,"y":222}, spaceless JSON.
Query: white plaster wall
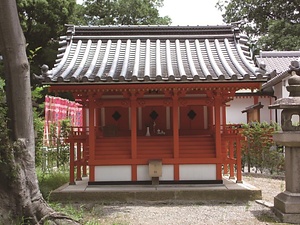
{"x":143,"y":172}
{"x":167,"y":172}
{"x":285,"y":93}
{"x":279,"y":92}
{"x":113,"y":173}
{"x":197,"y":172}
{"x":266,"y":115}
{"x":234,"y":111}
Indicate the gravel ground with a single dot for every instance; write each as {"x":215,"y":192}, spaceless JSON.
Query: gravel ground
{"x":208,"y":213}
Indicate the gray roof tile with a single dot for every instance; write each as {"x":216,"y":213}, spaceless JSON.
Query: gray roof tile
{"x":278,"y":61}
{"x":278,"y":64}
{"x":111,"y":54}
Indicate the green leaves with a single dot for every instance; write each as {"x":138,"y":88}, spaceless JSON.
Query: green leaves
{"x":271,"y":20}
{"x":259,"y":149}
{"x":43,"y":21}
{"x":281,"y":36}
{"x":124,"y":12}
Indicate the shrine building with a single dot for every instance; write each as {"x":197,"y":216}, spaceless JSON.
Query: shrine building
{"x":154,"y":101}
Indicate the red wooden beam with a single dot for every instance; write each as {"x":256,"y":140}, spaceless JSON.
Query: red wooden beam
{"x":165,"y":161}
{"x":142,"y":87}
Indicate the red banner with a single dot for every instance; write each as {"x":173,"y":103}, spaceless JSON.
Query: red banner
{"x":57,"y":109}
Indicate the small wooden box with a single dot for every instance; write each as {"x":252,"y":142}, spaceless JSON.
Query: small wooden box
{"x":155,"y":168}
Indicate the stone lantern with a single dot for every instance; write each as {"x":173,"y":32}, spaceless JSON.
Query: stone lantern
{"x":287,"y":203}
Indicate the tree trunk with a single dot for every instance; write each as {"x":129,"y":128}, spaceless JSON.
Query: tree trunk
{"x":19,"y":191}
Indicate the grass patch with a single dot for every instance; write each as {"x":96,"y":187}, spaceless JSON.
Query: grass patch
{"x":86,"y":214}
{"x":68,"y":209}
{"x":51,"y":181}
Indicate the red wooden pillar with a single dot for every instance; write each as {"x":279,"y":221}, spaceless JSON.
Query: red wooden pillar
{"x":79,"y":161}
{"x":72,"y":164}
{"x":84,"y":147}
{"x":85,"y":159}
{"x":133,"y":136}
{"x":210,"y":118}
{"x":91,"y":138}
{"x":175,"y":134}
{"x":225,"y":152}
{"x":231,"y":155}
{"x":218,"y":140}
{"x":238,"y":161}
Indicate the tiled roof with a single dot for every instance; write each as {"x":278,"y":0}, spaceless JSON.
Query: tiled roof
{"x":114,"y":54}
{"x":277,"y":60}
{"x":278,"y":64}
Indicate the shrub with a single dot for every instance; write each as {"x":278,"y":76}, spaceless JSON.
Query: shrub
{"x":259,"y":150}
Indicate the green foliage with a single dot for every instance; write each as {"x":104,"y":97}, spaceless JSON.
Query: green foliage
{"x":259,"y":149}
{"x":87,"y":214}
{"x":33,"y":53}
{"x":57,"y":155}
{"x":75,"y":212}
{"x":7,"y":149}
{"x":4,"y":138}
{"x":51,"y":181}
{"x":43,"y":21}
{"x":78,"y":17}
{"x":271,"y":20}
{"x":282,"y":36}
{"x":38,"y":124}
{"x":3,"y":116}
{"x":124,"y":12}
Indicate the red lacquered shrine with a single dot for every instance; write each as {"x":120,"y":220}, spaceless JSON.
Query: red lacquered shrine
{"x":153,"y":97}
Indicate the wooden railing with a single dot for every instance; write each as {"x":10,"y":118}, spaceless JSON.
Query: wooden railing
{"x":231,"y":150}
{"x":79,"y":152}
{"x":77,"y":132}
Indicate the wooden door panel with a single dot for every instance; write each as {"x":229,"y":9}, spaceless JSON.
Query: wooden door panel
{"x":117,"y":116}
{"x":192,"y":118}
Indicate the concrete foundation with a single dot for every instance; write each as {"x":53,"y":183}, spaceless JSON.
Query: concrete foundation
{"x":228,"y":191}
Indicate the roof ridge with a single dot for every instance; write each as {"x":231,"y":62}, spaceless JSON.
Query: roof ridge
{"x":150,"y":30}
{"x":279,"y":54}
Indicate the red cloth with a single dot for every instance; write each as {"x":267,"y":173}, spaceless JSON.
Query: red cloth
{"x":57,"y":109}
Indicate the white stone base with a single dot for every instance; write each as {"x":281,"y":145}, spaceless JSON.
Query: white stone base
{"x":186,"y":172}
{"x":197,"y":172}
{"x":113,"y":173}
